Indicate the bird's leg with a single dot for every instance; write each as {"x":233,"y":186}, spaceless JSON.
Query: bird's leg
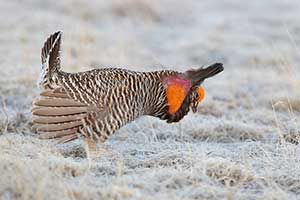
{"x":93,"y":151}
{"x":90,"y":149}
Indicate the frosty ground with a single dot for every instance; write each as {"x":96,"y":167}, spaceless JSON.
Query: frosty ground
{"x":241,"y":144}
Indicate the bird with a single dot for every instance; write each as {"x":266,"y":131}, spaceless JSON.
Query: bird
{"x":94,"y":104}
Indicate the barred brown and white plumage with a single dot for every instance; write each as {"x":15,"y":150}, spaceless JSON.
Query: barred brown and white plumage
{"x":94,"y":104}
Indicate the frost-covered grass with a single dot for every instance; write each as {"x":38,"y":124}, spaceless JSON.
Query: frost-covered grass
{"x":241,"y":144}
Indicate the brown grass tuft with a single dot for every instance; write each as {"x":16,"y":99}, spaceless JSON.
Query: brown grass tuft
{"x":144,"y":10}
{"x":227,"y":172}
{"x":229,"y":132}
{"x":286,"y":104}
{"x":293,"y":136}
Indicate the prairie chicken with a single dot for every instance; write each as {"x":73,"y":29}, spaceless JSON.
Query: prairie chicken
{"x":96,"y":103}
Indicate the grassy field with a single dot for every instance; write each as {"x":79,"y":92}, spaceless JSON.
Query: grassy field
{"x":241,"y":144}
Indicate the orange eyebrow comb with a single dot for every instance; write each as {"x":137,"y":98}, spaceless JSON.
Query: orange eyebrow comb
{"x":201,"y":94}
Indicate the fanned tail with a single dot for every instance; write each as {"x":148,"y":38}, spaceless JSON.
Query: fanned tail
{"x":50,"y":57}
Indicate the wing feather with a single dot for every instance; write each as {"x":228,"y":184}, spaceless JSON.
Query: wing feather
{"x":56,"y":115}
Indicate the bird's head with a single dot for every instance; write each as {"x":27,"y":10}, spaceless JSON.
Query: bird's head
{"x":184,"y":91}
{"x":177,"y":90}
{"x":199,"y":97}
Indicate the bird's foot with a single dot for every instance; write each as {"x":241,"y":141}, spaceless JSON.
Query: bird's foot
{"x":94,"y":152}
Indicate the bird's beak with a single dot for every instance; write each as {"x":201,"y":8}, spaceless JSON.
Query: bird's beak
{"x":194,"y":107}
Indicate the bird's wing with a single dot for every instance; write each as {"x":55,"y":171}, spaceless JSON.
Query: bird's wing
{"x":58,"y":114}
{"x":117,"y":107}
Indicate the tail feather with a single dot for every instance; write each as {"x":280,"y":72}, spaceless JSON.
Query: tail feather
{"x":199,"y":75}
{"x":50,"y":57}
